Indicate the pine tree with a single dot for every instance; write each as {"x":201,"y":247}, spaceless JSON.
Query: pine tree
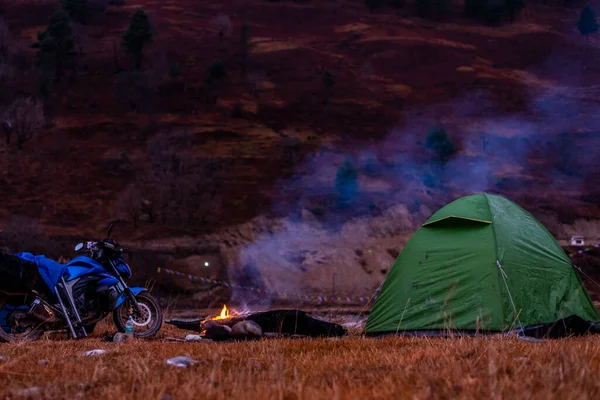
{"x":77,"y":9}
{"x":138,"y":34}
{"x":443,"y":7}
{"x":174,"y":70}
{"x":423,"y":7}
{"x":346,"y":182}
{"x":514,"y":7}
{"x":373,"y":4}
{"x":245,"y":45}
{"x":587,"y":21}
{"x":475,"y":8}
{"x":56,"y":48}
{"x":328,"y":80}
{"x":328,"y":83}
{"x":216,"y":72}
{"x":396,"y":3}
{"x":441,"y":145}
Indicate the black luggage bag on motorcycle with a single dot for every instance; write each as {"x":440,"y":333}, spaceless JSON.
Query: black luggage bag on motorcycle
{"x":19,"y":276}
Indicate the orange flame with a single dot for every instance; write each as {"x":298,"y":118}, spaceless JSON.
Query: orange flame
{"x":224,"y":314}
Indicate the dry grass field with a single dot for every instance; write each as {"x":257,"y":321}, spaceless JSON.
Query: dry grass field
{"x":347,"y":368}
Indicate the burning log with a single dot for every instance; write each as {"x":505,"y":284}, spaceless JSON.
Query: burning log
{"x":284,"y":322}
{"x":218,"y":332}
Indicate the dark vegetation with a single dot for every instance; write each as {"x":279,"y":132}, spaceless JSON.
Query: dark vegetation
{"x":587,"y":21}
{"x":159,"y":179}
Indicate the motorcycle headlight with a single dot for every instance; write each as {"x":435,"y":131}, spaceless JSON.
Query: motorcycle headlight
{"x":124,"y":269}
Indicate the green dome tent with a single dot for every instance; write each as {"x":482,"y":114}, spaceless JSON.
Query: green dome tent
{"x":482,"y":264}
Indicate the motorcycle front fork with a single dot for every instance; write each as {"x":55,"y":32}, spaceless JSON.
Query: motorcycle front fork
{"x":76,"y":327}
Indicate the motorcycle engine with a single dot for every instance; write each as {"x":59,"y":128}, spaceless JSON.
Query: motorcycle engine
{"x":86,"y":299}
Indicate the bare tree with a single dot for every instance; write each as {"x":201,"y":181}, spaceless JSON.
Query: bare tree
{"x":26,"y":117}
{"x":80,"y":37}
{"x":221,"y":25}
{"x":129,"y":204}
{"x":6,"y":45}
{"x":3,"y":67}
{"x":4,"y":38}
{"x":21,"y":233}
{"x":7,"y":130}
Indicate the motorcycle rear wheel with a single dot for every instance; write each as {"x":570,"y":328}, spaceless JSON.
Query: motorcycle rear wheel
{"x":151,"y":320}
{"x":32,"y":335}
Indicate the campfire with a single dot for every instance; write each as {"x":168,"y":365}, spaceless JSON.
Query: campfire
{"x":224,"y":314}
{"x":231,"y":324}
{"x":222,"y":319}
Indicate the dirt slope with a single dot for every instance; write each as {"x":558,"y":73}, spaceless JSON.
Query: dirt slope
{"x":504,"y":94}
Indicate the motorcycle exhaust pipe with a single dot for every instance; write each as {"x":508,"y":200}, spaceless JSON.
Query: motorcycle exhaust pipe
{"x":43,"y":311}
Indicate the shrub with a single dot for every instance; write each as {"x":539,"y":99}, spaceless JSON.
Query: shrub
{"x":56,"y":49}
{"x":587,"y":21}
{"x":174,"y":70}
{"x":237,"y":111}
{"x":373,"y":4}
{"x":26,"y":118}
{"x":21,"y":233}
{"x":346,"y":181}
{"x":440,"y":144}
{"x":137,"y":36}
{"x":217,"y":71}
{"x":328,"y":80}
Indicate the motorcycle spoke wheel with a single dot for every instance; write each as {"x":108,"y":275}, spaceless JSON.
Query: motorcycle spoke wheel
{"x":147,"y":323}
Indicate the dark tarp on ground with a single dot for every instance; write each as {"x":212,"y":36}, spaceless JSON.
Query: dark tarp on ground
{"x":19,"y":276}
{"x":286,"y":322}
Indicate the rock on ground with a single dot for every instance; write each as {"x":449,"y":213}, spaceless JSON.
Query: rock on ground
{"x":218,"y":332}
{"x":246,"y":330}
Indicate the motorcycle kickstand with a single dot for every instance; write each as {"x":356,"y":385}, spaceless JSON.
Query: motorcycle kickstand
{"x":78,"y":326}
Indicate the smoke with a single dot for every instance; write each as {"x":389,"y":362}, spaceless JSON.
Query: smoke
{"x":542,"y":155}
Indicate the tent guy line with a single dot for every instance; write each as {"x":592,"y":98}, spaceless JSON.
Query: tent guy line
{"x":323,"y":299}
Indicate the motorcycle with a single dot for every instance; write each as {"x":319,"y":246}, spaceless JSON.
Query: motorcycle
{"x":87,"y":289}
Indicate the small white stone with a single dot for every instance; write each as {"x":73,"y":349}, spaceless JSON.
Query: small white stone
{"x":193,"y":338}
{"x":181,"y":362}
{"x":96,"y":352}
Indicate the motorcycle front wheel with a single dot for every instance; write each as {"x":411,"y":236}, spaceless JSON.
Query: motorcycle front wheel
{"x":148,"y":323}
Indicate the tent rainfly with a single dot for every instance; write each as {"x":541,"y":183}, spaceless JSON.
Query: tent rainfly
{"x":482,"y":264}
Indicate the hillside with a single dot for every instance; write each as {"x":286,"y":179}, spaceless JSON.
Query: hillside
{"x":305,"y":177}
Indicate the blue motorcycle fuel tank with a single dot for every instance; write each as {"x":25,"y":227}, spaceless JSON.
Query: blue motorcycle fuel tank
{"x":83,"y":265}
